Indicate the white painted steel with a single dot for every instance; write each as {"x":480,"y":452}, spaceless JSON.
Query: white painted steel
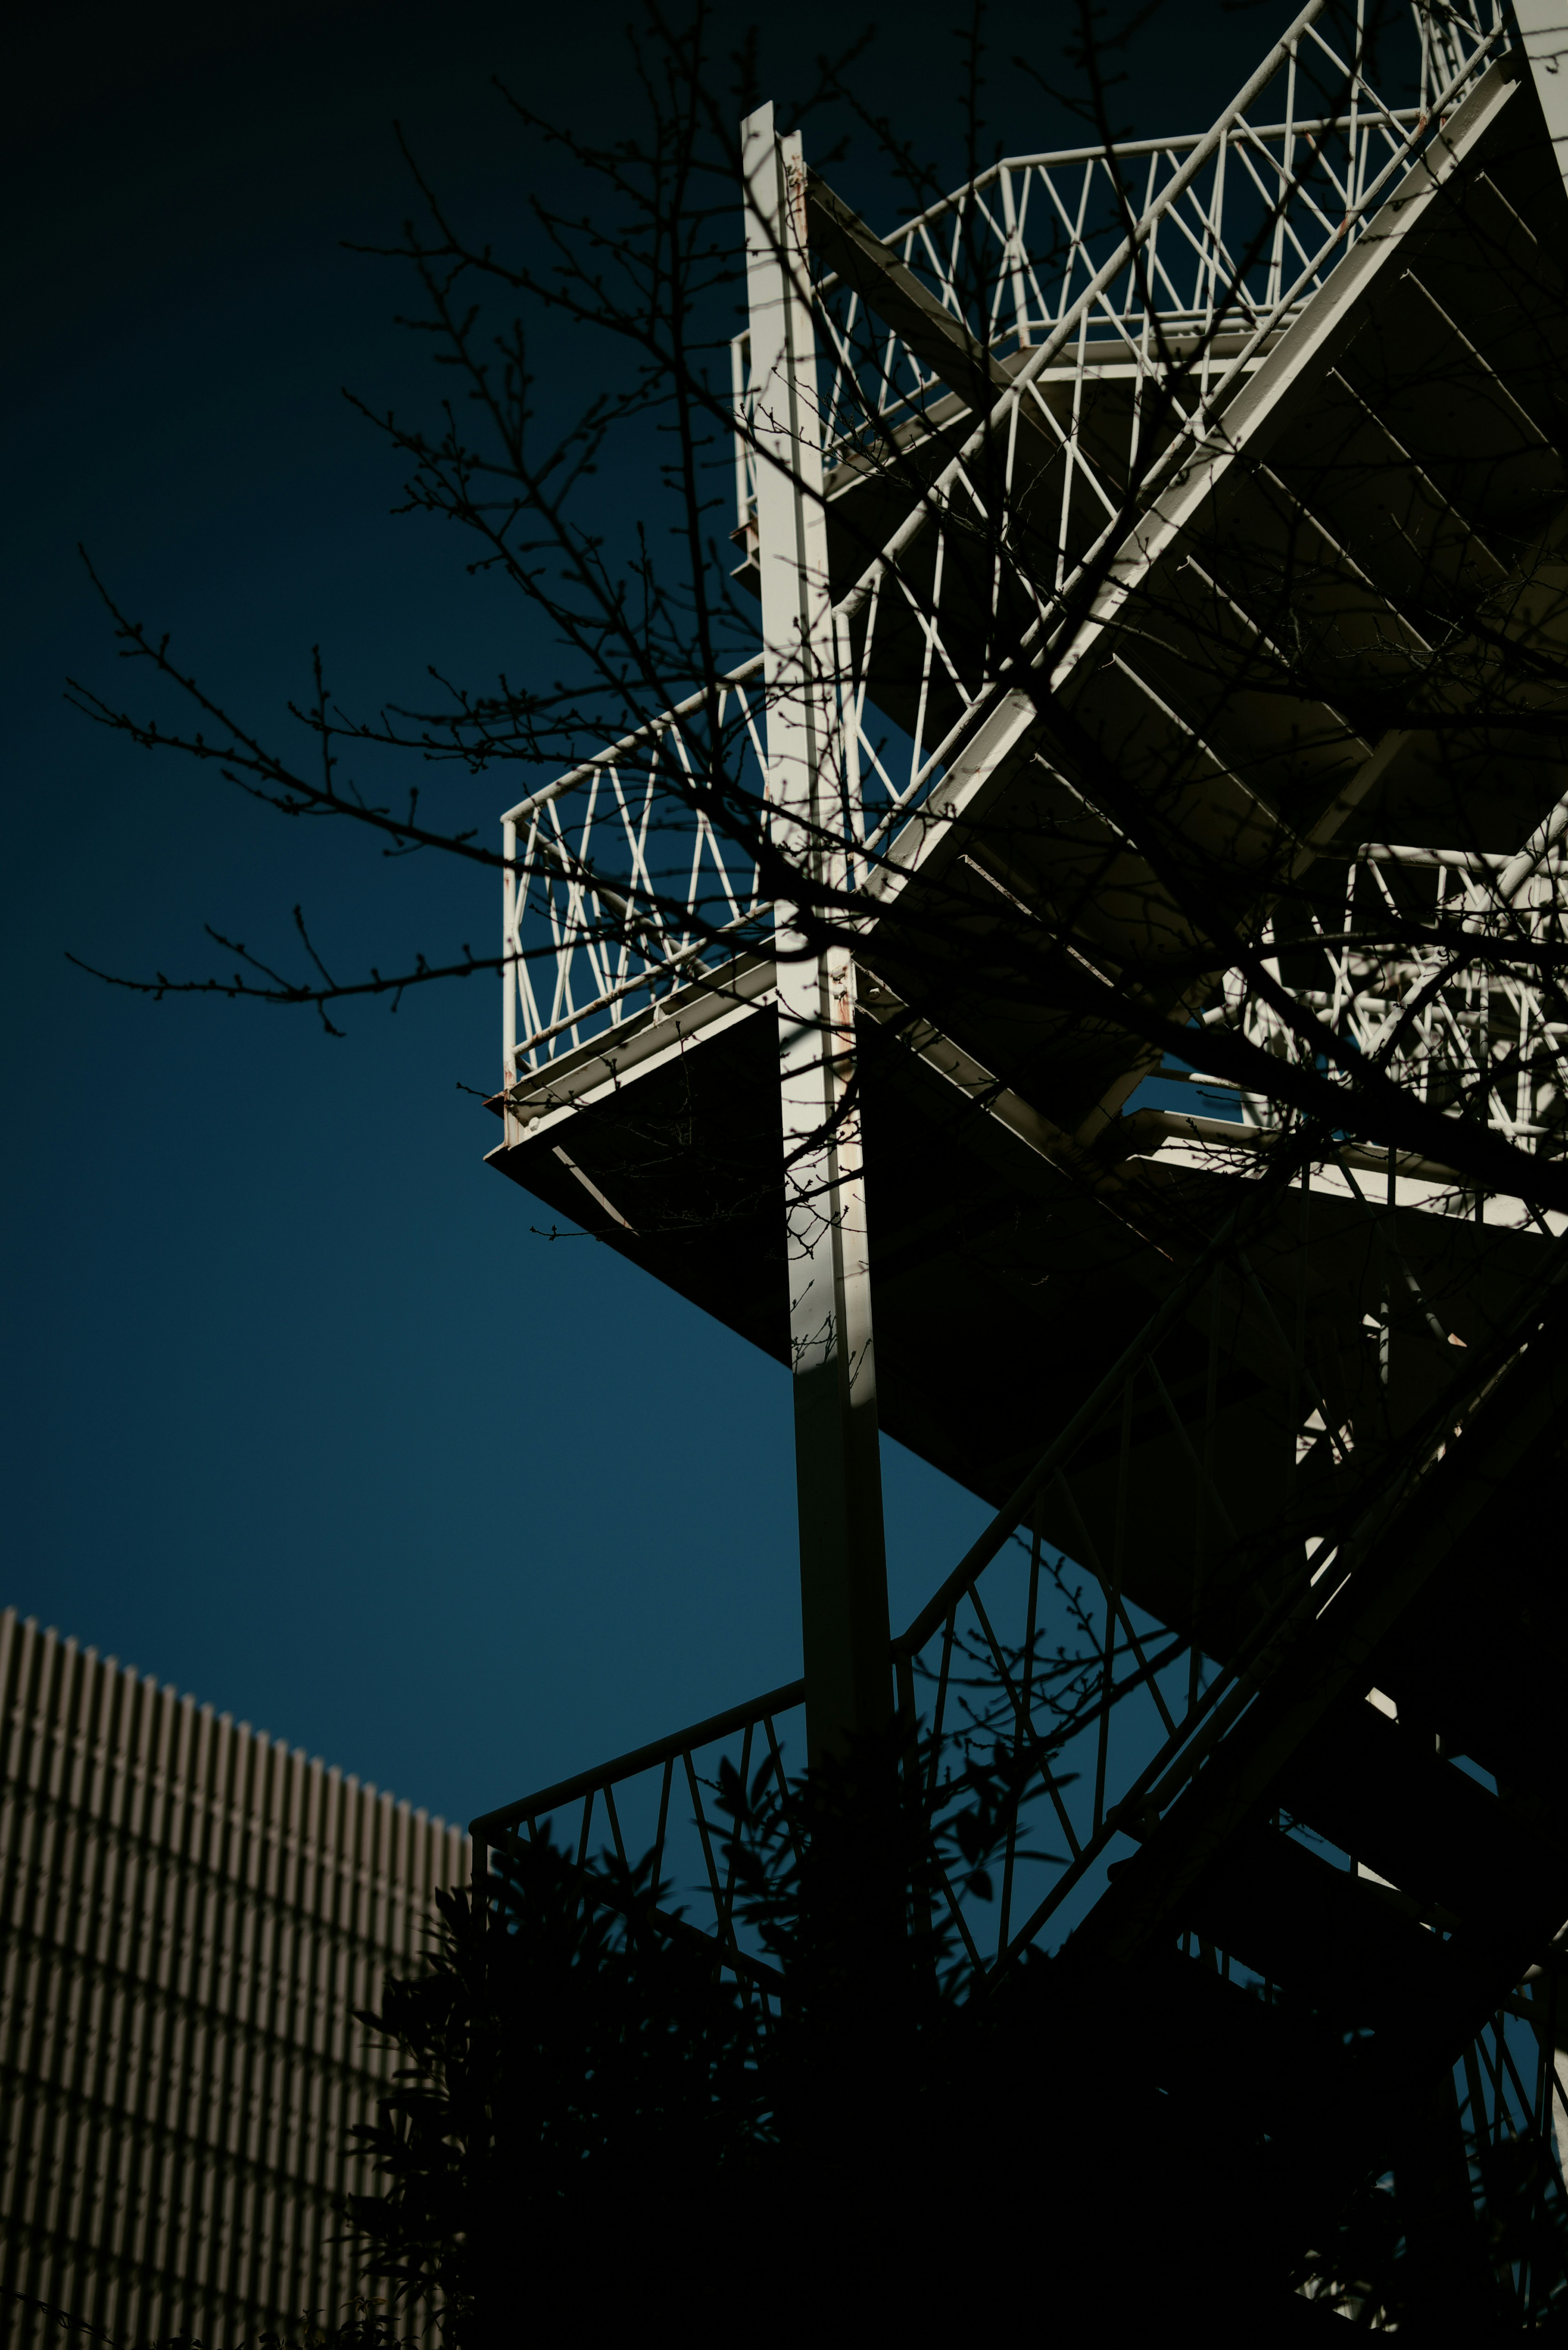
{"x":958,"y":502}
{"x":1543,"y":35}
{"x":583,"y":845}
{"x":844,"y":1584}
{"x":587,"y":901}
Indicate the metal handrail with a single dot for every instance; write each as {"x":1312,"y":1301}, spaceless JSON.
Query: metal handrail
{"x":642,"y":1758}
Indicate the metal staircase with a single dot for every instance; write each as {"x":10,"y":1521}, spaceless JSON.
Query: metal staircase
{"x":1128,"y":576}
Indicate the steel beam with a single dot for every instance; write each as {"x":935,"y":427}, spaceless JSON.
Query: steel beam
{"x":843,"y":1567}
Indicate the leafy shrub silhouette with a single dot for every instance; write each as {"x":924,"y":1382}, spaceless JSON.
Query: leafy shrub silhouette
{"x":590,"y":2115}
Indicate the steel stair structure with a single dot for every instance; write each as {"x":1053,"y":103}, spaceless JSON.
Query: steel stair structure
{"x":1284,"y":532}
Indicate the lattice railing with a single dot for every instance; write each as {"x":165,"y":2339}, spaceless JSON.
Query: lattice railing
{"x":1224,"y":256}
{"x":661,"y":1801}
{"x":625,"y":874}
{"x":1035,"y":1664}
{"x":1464,"y":1034}
{"x":621,"y":884}
{"x":623,"y":877}
{"x":1242,"y":228}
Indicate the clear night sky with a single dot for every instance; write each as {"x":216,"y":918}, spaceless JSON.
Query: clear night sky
{"x":298,"y":1415}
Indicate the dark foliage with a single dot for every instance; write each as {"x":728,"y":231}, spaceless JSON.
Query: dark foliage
{"x":1409,"y":2247}
{"x":575,"y":2082}
{"x":368,"y":2326}
{"x":592,"y":2121}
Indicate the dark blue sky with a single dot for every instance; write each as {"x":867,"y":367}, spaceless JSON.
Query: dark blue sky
{"x":298,"y":1414}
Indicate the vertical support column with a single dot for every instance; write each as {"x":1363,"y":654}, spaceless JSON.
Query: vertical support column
{"x":509,"y":971}
{"x":838,"y":1477}
{"x":1543,"y":32}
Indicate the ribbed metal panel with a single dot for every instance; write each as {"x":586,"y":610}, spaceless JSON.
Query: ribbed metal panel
{"x":190,"y":1915}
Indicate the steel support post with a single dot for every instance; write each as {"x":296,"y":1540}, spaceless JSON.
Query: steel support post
{"x":843,"y":1564}
{"x":1543,"y":31}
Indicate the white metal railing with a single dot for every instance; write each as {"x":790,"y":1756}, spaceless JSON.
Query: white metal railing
{"x":1456,"y":1035}
{"x":619,"y":876}
{"x":923,"y":581}
{"x":619,"y":886}
{"x":620,"y":881}
{"x":1015,"y":252}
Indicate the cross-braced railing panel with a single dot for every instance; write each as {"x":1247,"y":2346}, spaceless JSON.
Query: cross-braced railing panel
{"x":1019,"y":255}
{"x":638,"y":872}
{"x":1031,"y":236}
{"x":625,"y":874}
{"x":1105,"y":386}
{"x":1466,"y":1032}
{"x":661,"y":1803}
